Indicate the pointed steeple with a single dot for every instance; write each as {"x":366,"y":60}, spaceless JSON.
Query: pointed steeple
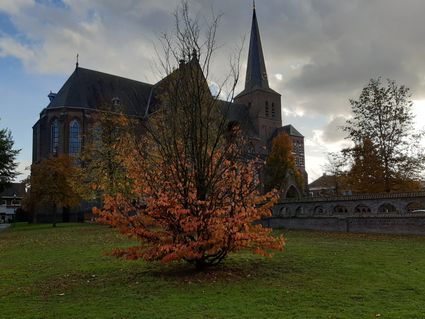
{"x":256,"y":74}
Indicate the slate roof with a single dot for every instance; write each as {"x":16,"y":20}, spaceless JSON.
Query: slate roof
{"x":239,"y":113}
{"x":87,"y":88}
{"x":90,"y":89}
{"x":14,"y":188}
{"x":323,"y":182}
{"x":256,"y":74}
{"x":290,"y":130}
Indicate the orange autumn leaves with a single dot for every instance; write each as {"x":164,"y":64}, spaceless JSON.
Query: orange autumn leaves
{"x":53,"y":181}
{"x":178,"y":212}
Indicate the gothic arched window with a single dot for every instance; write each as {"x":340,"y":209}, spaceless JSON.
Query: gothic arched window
{"x":74,"y":138}
{"x":54,"y":137}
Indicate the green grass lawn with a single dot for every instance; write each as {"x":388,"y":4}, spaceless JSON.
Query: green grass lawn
{"x":64,"y":273}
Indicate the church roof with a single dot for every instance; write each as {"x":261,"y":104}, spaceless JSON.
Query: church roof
{"x":239,"y":113}
{"x":256,"y":74}
{"x":290,"y":130}
{"x":87,"y":88}
{"x":90,"y":89}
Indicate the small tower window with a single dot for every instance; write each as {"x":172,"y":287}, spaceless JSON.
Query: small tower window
{"x":273,"y":110}
{"x":54,"y":137}
{"x":267,"y":109}
{"x":74,"y":138}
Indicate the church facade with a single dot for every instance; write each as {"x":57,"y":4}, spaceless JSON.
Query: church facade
{"x":73,"y":110}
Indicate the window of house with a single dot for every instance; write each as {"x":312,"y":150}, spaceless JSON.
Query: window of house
{"x":267,"y":109}
{"x":54,"y":137}
{"x":74,"y":138}
{"x":273,"y":110}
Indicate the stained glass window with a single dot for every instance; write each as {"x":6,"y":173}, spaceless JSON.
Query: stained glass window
{"x":54,"y":137}
{"x":74,"y":138}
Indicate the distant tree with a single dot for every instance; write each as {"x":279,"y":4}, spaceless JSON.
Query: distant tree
{"x":52,"y":182}
{"x":336,"y":168}
{"x":100,"y":159}
{"x":366,"y":174}
{"x":280,"y":163}
{"x":7,"y":159}
{"x":191,"y":192}
{"x":383,"y":118}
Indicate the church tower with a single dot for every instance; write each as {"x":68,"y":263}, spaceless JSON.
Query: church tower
{"x":264,"y":103}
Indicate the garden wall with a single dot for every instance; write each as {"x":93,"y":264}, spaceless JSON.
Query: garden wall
{"x":383,"y":225}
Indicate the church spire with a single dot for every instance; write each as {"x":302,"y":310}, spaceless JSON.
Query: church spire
{"x":256,"y":74}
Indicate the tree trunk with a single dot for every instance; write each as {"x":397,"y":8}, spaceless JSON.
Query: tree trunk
{"x":200,"y":264}
{"x":54,"y":215}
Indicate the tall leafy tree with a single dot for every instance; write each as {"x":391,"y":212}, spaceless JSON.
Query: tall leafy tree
{"x":280,"y":164}
{"x":366,"y":174}
{"x":7,"y":159}
{"x":100,"y":159}
{"x":53,"y":183}
{"x":336,"y":168}
{"x":383,"y":118}
{"x":191,"y":192}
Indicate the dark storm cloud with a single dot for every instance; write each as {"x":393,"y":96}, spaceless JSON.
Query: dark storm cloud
{"x":319,"y":53}
{"x":333,"y":131}
{"x":322,"y":48}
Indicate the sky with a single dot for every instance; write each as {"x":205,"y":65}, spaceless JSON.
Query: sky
{"x":319,"y":54}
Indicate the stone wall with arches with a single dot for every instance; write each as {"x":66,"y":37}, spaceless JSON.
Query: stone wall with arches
{"x":401,"y":213}
{"x":397,"y":204}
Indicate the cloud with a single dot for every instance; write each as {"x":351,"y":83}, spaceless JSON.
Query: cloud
{"x":14,"y":7}
{"x":319,"y":53}
{"x":109,"y":36}
{"x":333,"y":132}
{"x":10,"y":47}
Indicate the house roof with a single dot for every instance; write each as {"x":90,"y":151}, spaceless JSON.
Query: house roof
{"x":17,"y":189}
{"x":323,"y":182}
{"x":90,"y":89}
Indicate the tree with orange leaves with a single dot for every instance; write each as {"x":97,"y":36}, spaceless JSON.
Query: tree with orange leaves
{"x":280,"y":163}
{"x":53,"y":182}
{"x":191,"y":192}
{"x":367,"y":172}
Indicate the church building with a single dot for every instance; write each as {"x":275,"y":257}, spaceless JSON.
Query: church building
{"x":71,"y":112}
